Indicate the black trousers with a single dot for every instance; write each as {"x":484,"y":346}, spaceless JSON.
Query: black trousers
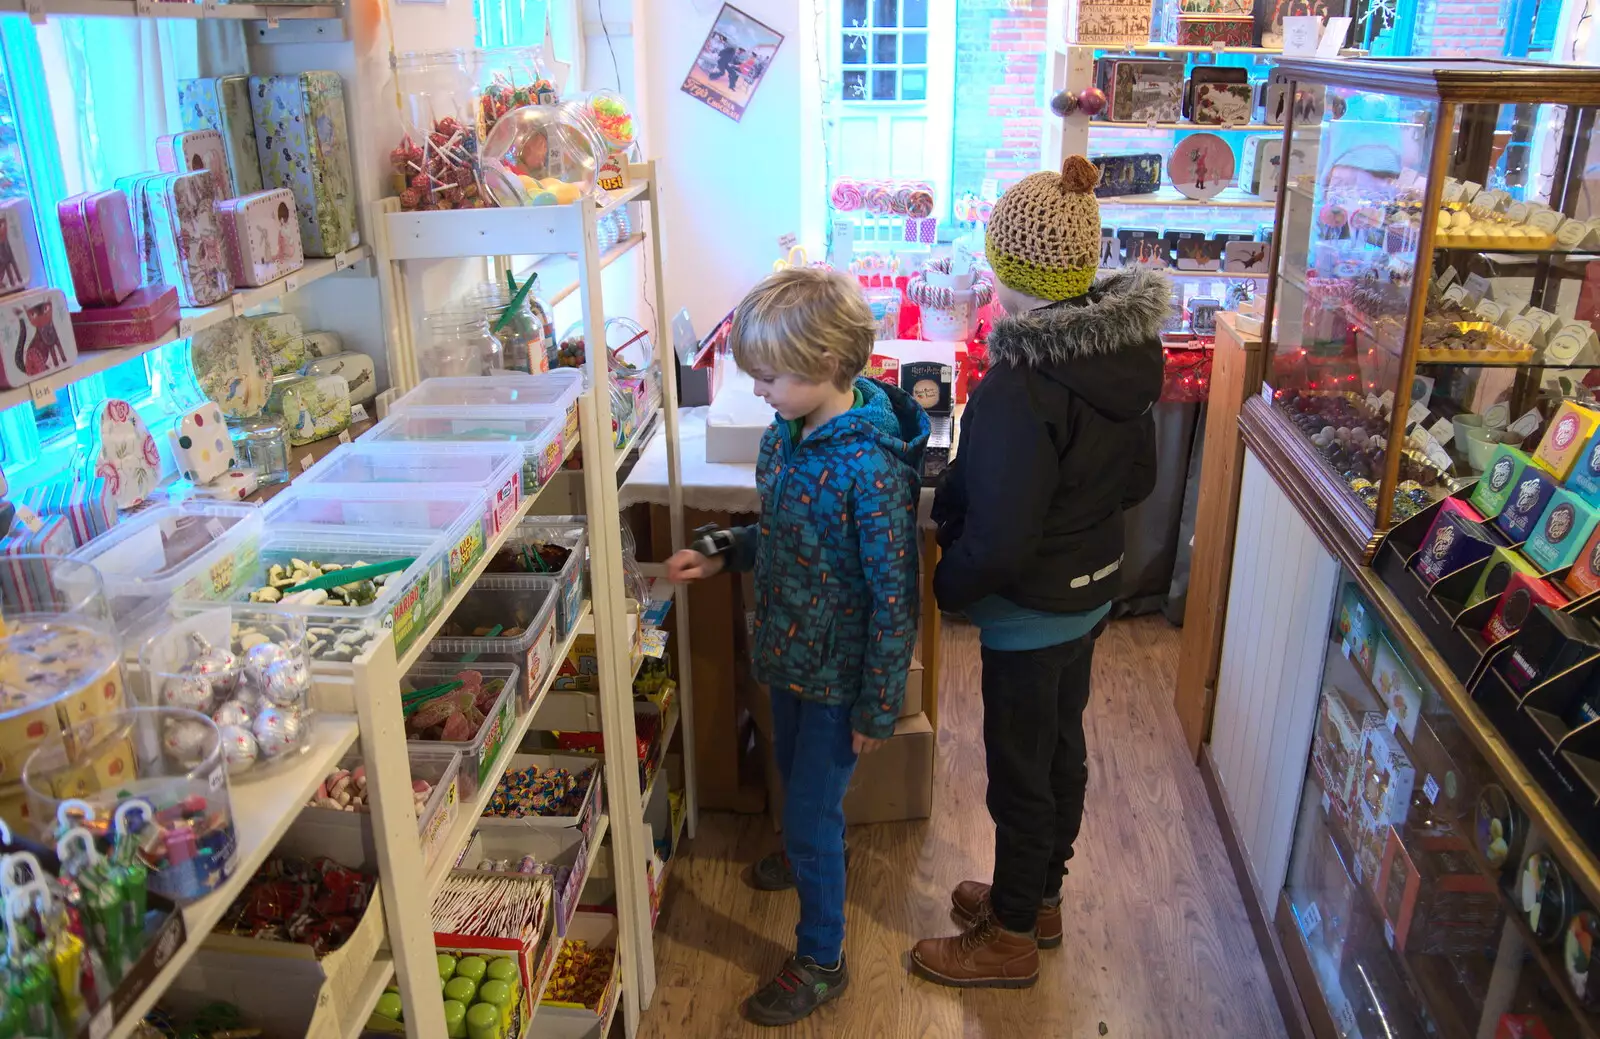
{"x":1033,"y":703}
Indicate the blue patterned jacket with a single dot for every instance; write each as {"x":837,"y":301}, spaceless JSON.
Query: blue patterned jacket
{"x":835,"y":556}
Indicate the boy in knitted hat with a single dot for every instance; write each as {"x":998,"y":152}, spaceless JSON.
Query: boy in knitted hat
{"x":1056,"y":441}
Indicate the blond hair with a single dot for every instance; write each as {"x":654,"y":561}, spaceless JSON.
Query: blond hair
{"x":798,"y":319}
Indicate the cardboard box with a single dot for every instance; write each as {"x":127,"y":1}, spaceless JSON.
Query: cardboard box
{"x":892,"y":784}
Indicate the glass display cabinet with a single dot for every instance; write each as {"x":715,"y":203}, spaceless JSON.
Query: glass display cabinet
{"x":1431,"y":296}
{"x":1420,"y":901}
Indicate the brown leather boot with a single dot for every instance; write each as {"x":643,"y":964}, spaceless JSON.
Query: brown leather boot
{"x":970,"y":900}
{"x":985,"y":956}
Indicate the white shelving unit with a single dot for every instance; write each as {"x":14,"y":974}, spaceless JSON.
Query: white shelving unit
{"x":502,"y":234}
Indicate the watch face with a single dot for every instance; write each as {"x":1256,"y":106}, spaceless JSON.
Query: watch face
{"x":1516,"y":608}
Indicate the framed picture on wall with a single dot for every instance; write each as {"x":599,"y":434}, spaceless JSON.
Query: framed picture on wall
{"x":732,"y":62}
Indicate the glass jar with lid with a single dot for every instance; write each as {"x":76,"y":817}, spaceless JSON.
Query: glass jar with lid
{"x":510,"y":78}
{"x":519,"y":323}
{"x":436,"y":164}
{"x":455,"y":342}
{"x":541,"y":155}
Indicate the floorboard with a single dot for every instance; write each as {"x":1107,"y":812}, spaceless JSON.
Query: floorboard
{"x":1157,"y":942}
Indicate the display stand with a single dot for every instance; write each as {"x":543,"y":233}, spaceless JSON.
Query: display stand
{"x":401,"y":237}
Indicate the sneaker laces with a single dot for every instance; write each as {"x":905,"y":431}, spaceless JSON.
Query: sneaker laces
{"x":979,"y":934}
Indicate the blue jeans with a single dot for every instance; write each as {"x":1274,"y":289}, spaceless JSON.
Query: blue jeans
{"x":812,"y":744}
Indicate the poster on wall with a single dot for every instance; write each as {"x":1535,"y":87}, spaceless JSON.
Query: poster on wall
{"x":736,"y":55}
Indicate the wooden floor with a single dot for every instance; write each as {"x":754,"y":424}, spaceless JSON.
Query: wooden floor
{"x":1157,"y":942}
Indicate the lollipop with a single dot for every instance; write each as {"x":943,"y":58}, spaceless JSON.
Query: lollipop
{"x":901,"y":201}
{"x":920,"y":204}
{"x":879,"y":199}
{"x":846,"y":195}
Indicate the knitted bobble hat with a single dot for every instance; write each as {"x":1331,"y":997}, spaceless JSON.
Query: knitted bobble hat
{"x":1044,"y":235}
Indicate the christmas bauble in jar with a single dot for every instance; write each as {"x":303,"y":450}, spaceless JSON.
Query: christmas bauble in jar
{"x":436,"y":164}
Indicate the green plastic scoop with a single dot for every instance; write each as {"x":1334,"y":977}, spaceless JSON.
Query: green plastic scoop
{"x":351,"y":575}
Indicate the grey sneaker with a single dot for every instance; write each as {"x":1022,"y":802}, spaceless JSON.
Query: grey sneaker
{"x":772,"y":872}
{"x":800,"y":987}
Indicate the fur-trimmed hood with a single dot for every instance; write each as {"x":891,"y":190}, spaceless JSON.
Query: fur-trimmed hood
{"x":1104,"y":346}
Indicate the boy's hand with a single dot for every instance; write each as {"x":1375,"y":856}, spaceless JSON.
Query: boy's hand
{"x":688,"y":565}
{"x":863,"y":744}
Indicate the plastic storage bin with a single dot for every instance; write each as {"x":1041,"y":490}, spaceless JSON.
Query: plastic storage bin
{"x":406,"y":603}
{"x":538,"y":435}
{"x":144,"y":558}
{"x":477,"y":754}
{"x":496,"y":469}
{"x":459,"y":514}
{"x":347,"y":837}
{"x":508,"y":600}
{"x":552,"y":393}
{"x":571,"y":532}
{"x":584,"y":820}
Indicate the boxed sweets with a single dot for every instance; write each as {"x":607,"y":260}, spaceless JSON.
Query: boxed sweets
{"x":1497,"y":574}
{"x":183,"y":210}
{"x":1139,"y":90}
{"x":98,"y":233}
{"x":1561,"y":532}
{"x":303,"y":145}
{"x":1436,"y":902}
{"x":1584,"y":577}
{"x":1534,"y":489}
{"x":1563,"y":442}
{"x":223,"y":105}
{"x":37,"y":323}
{"x":1455,"y":540}
{"x":1387,"y":775}
{"x":145,"y":316}
{"x":1356,"y":628}
{"x":263,"y":236}
{"x":1337,"y":748}
{"x":1499,"y":480}
{"x":195,"y":150}
{"x":1549,"y":643}
{"x":1584,"y":479}
{"x":1396,"y":688}
{"x":1516,"y":604}
{"x":1135,"y":174}
{"x":19,"y":245}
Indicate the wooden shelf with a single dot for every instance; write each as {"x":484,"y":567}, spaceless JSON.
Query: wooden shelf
{"x":191,"y":320}
{"x":1173,"y":48}
{"x":40,"y":10}
{"x":1168,"y":197}
{"x":1111,"y":124}
{"x":516,"y":231}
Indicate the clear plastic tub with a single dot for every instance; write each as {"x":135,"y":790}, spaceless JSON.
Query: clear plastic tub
{"x":347,"y":836}
{"x":517,"y":556}
{"x":513,"y":601}
{"x":406,"y":602}
{"x":496,"y":469}
{"x":538,"y":435}
{"x":477,"y":754}
{"x":456,"y":513}
{"x":548,"y":393}
{"x":144,"y":558}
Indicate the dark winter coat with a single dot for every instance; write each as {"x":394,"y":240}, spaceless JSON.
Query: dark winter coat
{"x":835,"y":556}
{"x":1056,"y":441}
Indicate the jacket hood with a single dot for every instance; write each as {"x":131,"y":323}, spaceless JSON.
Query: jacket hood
{"x":1104,"y":346}
{"x":888,"y":417}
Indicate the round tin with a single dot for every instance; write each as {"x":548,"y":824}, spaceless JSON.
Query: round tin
{"x":1499,"y":829}
{"x":1546,"y":897}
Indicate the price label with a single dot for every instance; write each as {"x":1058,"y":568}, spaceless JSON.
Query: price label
{"x":341,"y":261}
{"x":272,"y":23}
{"x":1442,"y":431}
{"x":216,"y":779}
{"x":1416,"y":413}
{"x":1327,"y":802}
{"x":30,"y":519}
{"x":1309,"y":919}
{"x":185,"y":327}
{"x":1266,"y":393}
{"x":1430,"y":789}
{"x":307,"y":462}
{"x":357,"y":413}
{"x":1219,"y":46}
{"x":35,"y":9}
{"x":291,"y":283}
{"x":1344,"y":647}
{"x":41,"y":394}
{"x":1361,"y":874}
{"x":144,"y":8}
{"x":100,"y":1024}
{"x":344,"y":436}
{"x":1229,"y":125}
{"x":209,"y":8}
{"x":1388,"y":933}
{"x":1150,"y":124}
{"x":1392,"y":721}
{"x":237,"y":300}
{"x":215,"y":527}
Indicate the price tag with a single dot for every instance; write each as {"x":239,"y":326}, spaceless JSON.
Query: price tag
{"x":358,"y":413}
{"x":1442,"y":431}
{"x":237,"y":300}
{"x":1347,"y":1019}
{"x":1430,"y":789}
{"x":1361,"y":874}
{"x":1309,"y":919}
{"x":185,"y":327}
{"x":1344,"y":647}
{"x":100,"y":1024}
{"x":35,"y":9}
{"x":1266,"y":393}
{"x":344,"y":436}
{"x":144,"y":8}
{"x":291,"y":283}
{"x":341,"y":261}
{"x":1416,"y":413}
{"x":30,"y":519}
{"x":209,"y":9}
{"x":306,"y":463}
{"x":1229,"y":125}
{"x":1388,"y":933}
{"x":215,"y":527}
{"x":1526,"y":424}
{"x":1327,"y":803}
{"x":41,"y":394}
{"x":216,"y":779}
{"x":1392,"y":721}
{"x":272,"y":23}
{"x":1219,"y":46}
{"x":1150,"y":124}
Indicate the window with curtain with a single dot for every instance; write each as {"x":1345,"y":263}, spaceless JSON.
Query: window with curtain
{"x":82,"y":101}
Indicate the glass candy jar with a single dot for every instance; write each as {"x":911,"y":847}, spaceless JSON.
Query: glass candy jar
{"x":542,"y":155}
{"x":510,"y":78}
{"x":458,"y":342}
{"x":262,"y":444}
{"x":520,"y":328}
{"x":436,"y":164}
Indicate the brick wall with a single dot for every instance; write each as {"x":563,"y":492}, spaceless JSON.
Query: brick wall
{"x":1460,"y":28}
{"x":1000,"y":91}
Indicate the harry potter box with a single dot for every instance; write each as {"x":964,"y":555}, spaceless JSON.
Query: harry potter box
{"x":303,"y":143}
